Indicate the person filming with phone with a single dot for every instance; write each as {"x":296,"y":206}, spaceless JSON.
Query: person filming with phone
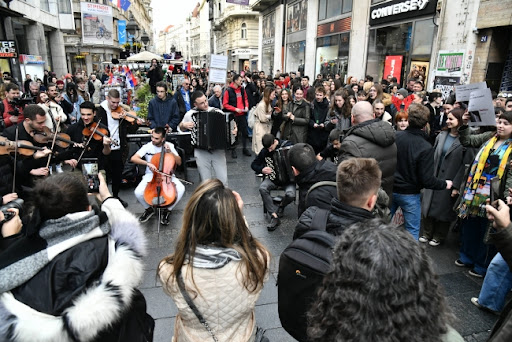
{"x":74,"y":275}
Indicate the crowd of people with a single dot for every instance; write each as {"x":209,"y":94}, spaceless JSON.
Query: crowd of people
{"x":363,"y":152}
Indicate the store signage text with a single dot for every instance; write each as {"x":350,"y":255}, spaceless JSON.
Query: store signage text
{"x":403,"y":7}
{"x":244,"y":52}
{"x":7,"y":49}
{"x":397,"y":10}
{"x":269,"y":41}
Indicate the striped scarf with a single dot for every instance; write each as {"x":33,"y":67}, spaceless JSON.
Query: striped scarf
{"x":211,"y":257}
{"x":478,"y":185}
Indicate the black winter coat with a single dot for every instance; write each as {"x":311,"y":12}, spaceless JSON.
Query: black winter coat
{"x":415,"y":163}
{"x":321,"y":170}
{"x":317,"y":137}
{"x":341,"y":216}
{"x":372,"y":139}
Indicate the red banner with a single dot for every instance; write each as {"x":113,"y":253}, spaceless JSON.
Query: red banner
{"x":393,"y":67}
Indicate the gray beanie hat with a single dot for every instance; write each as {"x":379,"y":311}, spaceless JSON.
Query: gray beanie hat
{"x":403,"y":92}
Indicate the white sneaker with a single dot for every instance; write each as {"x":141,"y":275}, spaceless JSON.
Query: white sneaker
{"x":434,"y":243}
{"x":423,"y":239}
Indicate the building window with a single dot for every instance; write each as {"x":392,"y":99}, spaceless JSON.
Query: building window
{"x":45,"y":6}
{"x":244,"y":31}
{"x":332,"y":8}
{"x":65,"y":6}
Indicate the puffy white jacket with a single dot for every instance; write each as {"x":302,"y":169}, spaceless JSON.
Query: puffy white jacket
{"x":221,"y":298}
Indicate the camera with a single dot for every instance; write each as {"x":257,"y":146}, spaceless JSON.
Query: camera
{"x":90,"y":171}
{"x":16,"y":204}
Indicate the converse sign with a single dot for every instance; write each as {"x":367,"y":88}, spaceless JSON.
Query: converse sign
{"x":402,"y":7}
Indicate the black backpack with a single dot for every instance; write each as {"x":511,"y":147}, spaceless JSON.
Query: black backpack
{"x":302,"y":267}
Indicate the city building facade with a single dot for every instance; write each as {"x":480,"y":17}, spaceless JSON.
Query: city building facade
{"x":235,"y":28}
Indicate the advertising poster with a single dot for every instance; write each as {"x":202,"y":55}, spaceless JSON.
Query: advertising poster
{"x":449,"y":63}
{"x":121,"y":31}
{"x":481,"y":109}
{"x":296,"y":16}
{"x":269,"y":25}
{"x":446,"y":85}
{"x":393,"y":67}
{"x":419,"y":68}
{"x":97,"y":24}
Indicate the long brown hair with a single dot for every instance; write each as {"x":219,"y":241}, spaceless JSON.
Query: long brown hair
{"x":212,"y":217}
{"x":346,"y":109}
{"x":280,"y":100}
{"x":266,"y":96}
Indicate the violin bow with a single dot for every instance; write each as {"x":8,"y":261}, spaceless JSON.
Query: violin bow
{"x":15,"y":160}
{"x":87,"y":143}
{"x":53,"y":145}
{"x":117,"y":128}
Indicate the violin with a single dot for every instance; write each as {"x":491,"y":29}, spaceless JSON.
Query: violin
{"x":23,"y":147}
{"x":161,"y":191}
{"x":129,"y":116}
{"x":99,"y":132}
{"x":62,"y":140}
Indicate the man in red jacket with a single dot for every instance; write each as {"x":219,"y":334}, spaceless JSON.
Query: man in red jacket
{"x":235,"y":100}
{"x":11,"y":111}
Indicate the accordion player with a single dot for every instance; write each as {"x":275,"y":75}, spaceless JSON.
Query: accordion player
{"x":281,"y":169}
{"x":212,"y":130}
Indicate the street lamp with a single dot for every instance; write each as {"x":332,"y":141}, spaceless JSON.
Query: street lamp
{"x":144,"y":39}
{"x":133,"y":30}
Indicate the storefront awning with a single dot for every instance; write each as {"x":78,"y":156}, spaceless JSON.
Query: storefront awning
{"x":261,"y":5}
{"x":9,"y":12}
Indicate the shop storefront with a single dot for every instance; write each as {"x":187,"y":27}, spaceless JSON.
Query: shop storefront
{"x":32,"y":65}
{"x":267,"y":56}
{"x":400,"y":39}
{"x":7,"y":51}
{"x":332,"y":48}
{"x":296,"y":23}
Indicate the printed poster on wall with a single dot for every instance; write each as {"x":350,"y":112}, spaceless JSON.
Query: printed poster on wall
{"x":269,"y":25}
{"x":97,"y":24}
{"x":449,"y":63}
{"x":296,"y":17}
{"x":393,"y":67}
{"x":446,"y":85}
{"x":419,"y":68}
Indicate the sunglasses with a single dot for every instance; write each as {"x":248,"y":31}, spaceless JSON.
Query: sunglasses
{"x":505,"y":95}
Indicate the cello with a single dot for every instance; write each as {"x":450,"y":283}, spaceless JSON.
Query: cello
{"x":161,"y":192}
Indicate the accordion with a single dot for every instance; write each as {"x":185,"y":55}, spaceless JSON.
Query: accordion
{"x":212,"y":130}
{"x":281,"y":169}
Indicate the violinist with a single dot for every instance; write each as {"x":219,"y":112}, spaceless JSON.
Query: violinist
{"x":143,"y":157}
{"x":118,"y":129}
{"x":96,"y":148}
{"x":34,"y":122}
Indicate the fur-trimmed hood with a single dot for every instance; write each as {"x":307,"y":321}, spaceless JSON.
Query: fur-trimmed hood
{"x":99,"y":306}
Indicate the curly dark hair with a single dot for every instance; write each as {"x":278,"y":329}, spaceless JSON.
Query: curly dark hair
{"x":381,"y":288}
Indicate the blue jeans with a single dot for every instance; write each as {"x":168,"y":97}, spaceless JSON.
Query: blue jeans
{"x":473,"y":250}
{"x":497,"y":284}
{"x":411,"y":207}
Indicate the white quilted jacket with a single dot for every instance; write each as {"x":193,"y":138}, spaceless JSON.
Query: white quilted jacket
{"x":223,"y":301}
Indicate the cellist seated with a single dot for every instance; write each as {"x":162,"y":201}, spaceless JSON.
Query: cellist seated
{"x":143,"y":157}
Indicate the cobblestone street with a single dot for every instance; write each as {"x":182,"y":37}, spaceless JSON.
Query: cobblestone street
{"x":473,"y":324}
